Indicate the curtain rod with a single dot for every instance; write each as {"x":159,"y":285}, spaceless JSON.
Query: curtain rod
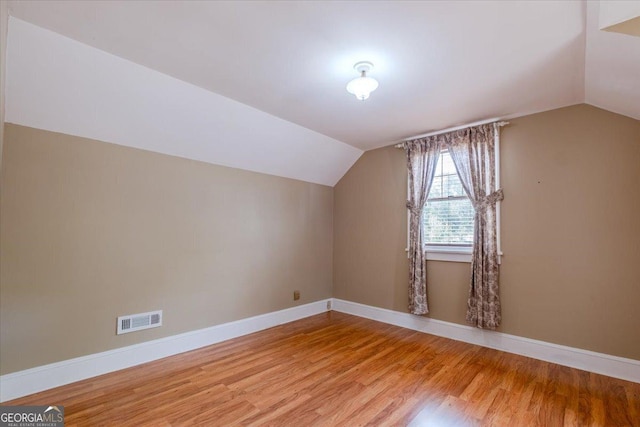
{"x":439,"y":132}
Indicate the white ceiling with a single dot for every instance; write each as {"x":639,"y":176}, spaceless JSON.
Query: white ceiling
{"x":612,"y":64}
{"x":439,"y":64}
{"x":58,"y":84}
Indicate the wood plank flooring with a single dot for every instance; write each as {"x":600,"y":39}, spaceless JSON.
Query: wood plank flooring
{"x":339,"y":370}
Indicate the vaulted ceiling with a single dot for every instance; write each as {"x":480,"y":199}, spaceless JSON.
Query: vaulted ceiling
{"x":212,"y":75}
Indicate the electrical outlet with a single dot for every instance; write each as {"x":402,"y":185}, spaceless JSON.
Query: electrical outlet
{"x":296,"y":295}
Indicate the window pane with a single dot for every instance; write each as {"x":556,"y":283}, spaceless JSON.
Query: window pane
{"x":452,"y":187}
{"x":449,"y":222}
{"x":445,"y":181}
{"x":436,"y":188}
{"x":448,"y":167}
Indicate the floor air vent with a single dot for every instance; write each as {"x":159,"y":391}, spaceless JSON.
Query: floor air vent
{"x":138,"y":322}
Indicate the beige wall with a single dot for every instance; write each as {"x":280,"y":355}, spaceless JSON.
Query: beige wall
{"x":570,"y":233}
{"x":91,"y":231}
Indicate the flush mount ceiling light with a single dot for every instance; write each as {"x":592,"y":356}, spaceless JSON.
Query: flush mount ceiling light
{"x":362,"y":86}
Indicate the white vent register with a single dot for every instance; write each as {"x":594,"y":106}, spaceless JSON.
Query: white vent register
{"x":138,"y":322}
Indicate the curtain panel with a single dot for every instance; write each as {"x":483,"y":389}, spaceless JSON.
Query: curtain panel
{"x":422,"y":158}
{"x":473,"y":152}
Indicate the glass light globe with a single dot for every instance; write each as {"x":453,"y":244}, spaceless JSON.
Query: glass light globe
{"x":362,"y":86}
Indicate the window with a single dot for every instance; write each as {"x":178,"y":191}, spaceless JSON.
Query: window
{"x":448,"y":215}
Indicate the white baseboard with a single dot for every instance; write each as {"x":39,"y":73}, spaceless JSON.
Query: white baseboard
{"x":41,"y":378}
{"x":22,"y":383}
{"x":600,"y":363}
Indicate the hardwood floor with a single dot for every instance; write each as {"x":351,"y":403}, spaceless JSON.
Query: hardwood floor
{"x":338,"y":370}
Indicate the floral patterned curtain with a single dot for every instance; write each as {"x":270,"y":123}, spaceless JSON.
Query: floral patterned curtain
{"x":473,"y":153}
{"x":422,"y":158}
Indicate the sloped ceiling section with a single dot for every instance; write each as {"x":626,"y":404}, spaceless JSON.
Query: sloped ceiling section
{"x":58,"y":84}
{"x":612,"y":77}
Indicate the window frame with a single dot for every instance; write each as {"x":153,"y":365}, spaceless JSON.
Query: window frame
{"x":449,"y":248}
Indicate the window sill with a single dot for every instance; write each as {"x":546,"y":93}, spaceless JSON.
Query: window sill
{"x":450,"y":254}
